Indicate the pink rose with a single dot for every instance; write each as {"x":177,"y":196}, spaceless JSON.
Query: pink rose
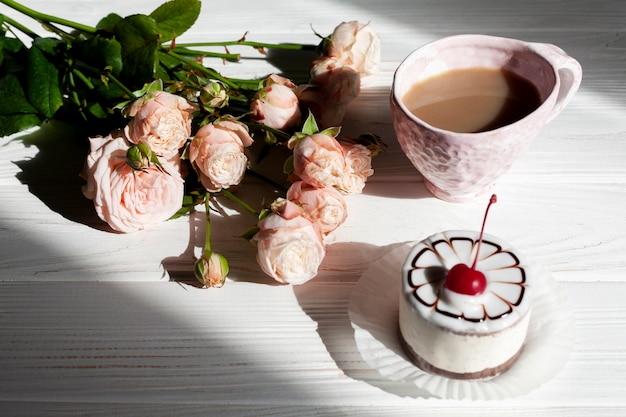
{"x":341,"y":84}
{"x":325,"y":206}
{"x":217,"y":153}
{"x":276,"y":104}
{"x":160,"y":120}
{"x":289,"y":247}
{"x":357,"y":46}
{"x":127,"y":199}
{"x":318,"y":160}
{"x":359,"y":168}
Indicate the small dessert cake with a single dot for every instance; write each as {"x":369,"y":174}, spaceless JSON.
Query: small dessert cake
{"x":464,"y":322}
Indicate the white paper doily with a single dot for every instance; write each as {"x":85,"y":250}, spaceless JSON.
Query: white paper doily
{"x":373,"y":313}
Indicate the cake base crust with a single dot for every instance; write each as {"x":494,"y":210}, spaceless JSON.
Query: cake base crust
{"x":482,"y":374}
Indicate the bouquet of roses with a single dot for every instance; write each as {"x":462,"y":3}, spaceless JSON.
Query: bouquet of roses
{"x":168,"y":134}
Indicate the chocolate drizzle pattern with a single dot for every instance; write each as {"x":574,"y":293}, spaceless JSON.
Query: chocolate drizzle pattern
{"x":506,"y":279}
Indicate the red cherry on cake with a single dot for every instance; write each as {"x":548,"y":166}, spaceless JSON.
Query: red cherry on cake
{"x":464,"y":280}
{"x":467,"y":280}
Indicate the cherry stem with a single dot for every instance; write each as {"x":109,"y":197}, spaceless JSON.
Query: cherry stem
{"x":492,"y":200}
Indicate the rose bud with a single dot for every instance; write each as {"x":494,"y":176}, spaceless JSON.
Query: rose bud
{"x":213,"y":96}
{"x":211,"y":270}
{"x":276,"y":104}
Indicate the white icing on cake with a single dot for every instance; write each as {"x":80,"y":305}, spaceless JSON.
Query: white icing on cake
{"x":460,"y":333}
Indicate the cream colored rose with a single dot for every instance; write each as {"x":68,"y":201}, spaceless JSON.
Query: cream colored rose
{"x":289,"y":249}
{"x":359,"y":168}
{"x":318,"y":160}
{"x":276,"y":104}
{"x":325,"y":206}
{"x":217,"y":153}
{"x":357,"y":46}
{"x":126,"y":199}
{"x":160,"y":120}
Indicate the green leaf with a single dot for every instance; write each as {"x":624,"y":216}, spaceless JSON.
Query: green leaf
{"x":10,"y":45}
{"x":140,"y":38}
{"x":107,"y":24}
{"x":168,"y":61}
{"x":12,"y":98}
{"x":100,"y":52}
{"x":48,"y":45}
{"x":174,"y":17}
{"x":17,"y":123}
{"x":16,"y":113}
{"x":97,"y":111}
{"x":42,"y":83}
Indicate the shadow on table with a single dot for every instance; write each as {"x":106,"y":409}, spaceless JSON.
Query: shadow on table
{"x":132,"y":348}
{"x":53,"y":174}
{"x":330,"y":310}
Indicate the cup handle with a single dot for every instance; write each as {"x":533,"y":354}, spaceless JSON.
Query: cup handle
{"x":569,"y":71}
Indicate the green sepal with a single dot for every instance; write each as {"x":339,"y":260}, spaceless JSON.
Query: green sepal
{"x":288,"y":165}
{"x":331,"y":131}
{"x":250,"y":233}
{"x":151,"y":87}
{"x":140,"y":157}
{"x":190,"y":201}
{"x":310,"y":125}
{"x":264,"y":213}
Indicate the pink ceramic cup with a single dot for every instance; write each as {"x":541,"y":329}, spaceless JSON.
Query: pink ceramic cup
{"x":460,"y":167}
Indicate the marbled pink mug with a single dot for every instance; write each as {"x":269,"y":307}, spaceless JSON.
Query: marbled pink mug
{"x":460,"y":167}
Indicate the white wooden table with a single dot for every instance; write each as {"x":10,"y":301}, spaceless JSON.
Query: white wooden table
{"x":94,"y":323}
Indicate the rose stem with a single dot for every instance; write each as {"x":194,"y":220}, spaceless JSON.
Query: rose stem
{"x":45,"y":18}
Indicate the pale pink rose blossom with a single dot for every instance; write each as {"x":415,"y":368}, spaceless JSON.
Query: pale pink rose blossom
{"x":276,"y":104}
{"x":359,"y":164}
{"x":318,"y":160}
{"x":341,"y":84}
{"x":357,"y":46}
{"x":160,"y":120}
{"x":217,"y":153}
{"x":289,"y":249}
{"x":325,"y":206}
{"x":130,"y":200}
